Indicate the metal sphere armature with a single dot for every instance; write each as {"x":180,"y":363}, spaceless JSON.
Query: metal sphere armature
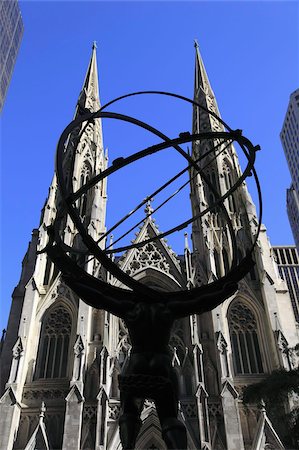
{"x":148,"y":314}
{"x":69,"y":198}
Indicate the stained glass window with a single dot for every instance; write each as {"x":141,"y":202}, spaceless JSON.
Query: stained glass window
{"x":244,"y":338}
{"x":54,"y":344}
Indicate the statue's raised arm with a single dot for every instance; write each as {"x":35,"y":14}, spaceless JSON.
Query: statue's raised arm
{"x":92,"y":291}
{"x":211,"y":295}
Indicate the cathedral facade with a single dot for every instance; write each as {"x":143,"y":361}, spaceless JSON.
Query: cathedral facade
{"x":61,"y":358}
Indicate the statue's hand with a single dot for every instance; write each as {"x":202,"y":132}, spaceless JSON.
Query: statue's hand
{"x":229,"y":289}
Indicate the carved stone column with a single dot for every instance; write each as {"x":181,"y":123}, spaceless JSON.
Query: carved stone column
{"x":75,"y":401}
{"x":203,"y":418}
{"x":73,"y":419}
{"x":10,"y":411}
{"x":231,"y":415}
{"x":10,"y":408}
{"x":102,"y":417}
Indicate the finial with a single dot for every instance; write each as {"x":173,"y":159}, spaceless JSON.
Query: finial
{"x":186,"y":241}
{"x":196,"y":43}
{"x":81,"y":326}
{"x":263,"y":406}
{"x":42,"y":411}
{"x":111,"y":241}
{"x":218,"y":322}
{"x":277,"y":323}
{"x":94,"y":45}
{"x":148,"y":209}
{"x":3,"y":334}
{"x":110,"y":247}
{"x":24,"y":327}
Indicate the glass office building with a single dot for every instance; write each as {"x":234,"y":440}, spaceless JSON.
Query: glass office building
{"x":11,"y":26}
{"x":290,"y":141}
{"x":288,"y":266}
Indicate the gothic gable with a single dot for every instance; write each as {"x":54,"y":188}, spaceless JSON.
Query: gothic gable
{"x":155,"y":256}
{"x":39,"y":438}
{"x":266,"y":436}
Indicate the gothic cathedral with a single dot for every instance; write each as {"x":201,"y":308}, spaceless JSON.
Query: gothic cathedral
{"x":61,"y":358}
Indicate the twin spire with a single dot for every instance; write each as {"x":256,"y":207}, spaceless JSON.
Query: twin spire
{"x":201,"y":77}
{"x":89,"y":96}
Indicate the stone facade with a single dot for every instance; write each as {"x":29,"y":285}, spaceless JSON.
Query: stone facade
{"x":62,"y":357}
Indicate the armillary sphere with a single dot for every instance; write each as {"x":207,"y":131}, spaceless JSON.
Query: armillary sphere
{"x":69,"y":198}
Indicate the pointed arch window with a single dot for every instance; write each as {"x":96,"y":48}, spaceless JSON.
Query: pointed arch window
{"x":47,"y":271}
{"x":228,"y":180}
{"x":83,"y":201}
{"x":225,"y":260}
{"x":244,"y":338}
{"x":51,"y":272}
{"x":80,"y":257}
{"x":54,"y":344}
{"x":103,"y":412}
{"x":217,"y":263}
{"x":211,"y":177}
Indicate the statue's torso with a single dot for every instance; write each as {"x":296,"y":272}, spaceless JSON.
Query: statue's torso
{"x":149,"y":327}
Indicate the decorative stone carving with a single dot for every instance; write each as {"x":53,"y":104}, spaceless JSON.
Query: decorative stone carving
{"x":40,"y":394}
{"x":113,"y":411}
{"x":78,"y":360}
{"x":150,"y":256}
{"x":89,"y":412}
{"x":215,"y":408}
{"x":17,"y":353}
{"x":189,"y":409}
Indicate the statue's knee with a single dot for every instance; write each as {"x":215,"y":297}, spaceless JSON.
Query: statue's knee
{"x":172,"y":422}
{"x":174,"y":433}
{"x":129,"y":426}
{"x":129,"y":419}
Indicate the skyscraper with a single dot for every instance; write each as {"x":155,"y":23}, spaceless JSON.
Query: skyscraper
{"x":290,"y":141}
{"x":61,"y":358}
{"x":11,"y":34}
{"x":288,"y":266}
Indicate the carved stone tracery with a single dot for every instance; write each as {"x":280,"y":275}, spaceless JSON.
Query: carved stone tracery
{"x":149,"y":256}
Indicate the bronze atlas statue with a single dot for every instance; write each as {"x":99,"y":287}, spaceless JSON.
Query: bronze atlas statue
{"x":148,"y":313}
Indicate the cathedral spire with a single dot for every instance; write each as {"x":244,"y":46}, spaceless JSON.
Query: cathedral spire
{"x":204,"y":95}
{"x":201,"y":78}
{"x":89,"y":97}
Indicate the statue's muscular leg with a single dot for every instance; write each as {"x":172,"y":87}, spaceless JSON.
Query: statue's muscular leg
{"x":129,"y":421}
{"x":173,"y":430}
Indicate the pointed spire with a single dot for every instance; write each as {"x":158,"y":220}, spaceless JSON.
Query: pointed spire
{"x":204,"y":95}
{"x":201,"y":77}
{"x":89,"y":97}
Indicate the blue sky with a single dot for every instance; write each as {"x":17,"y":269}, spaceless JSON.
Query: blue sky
{"x":250,"y":50}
